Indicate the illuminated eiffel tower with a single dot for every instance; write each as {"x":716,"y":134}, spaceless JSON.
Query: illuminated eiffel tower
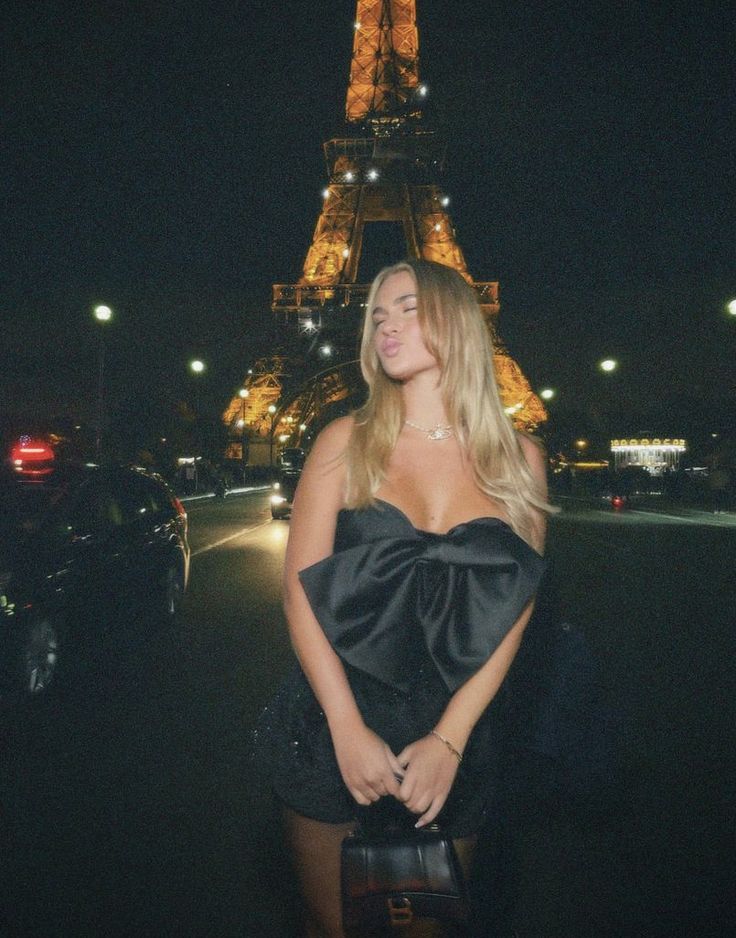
{"x":385,"y":168}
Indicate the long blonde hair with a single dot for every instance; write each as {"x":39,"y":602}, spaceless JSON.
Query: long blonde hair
{"x":456,"y":334}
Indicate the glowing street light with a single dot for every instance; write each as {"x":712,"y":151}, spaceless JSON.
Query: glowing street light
{"x":272,"y":408}
{"x":102,"y":314}
{"x":243,"y":394}
{"x":731,"y":307}
{"x":547,"y":394}
{"x":197,"y":368}
{"x":608,"y":365}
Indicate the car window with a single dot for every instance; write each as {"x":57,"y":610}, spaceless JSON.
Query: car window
{"x":96,"y":507}
{"x":144,"y":497}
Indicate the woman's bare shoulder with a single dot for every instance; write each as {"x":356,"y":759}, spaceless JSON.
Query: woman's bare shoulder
{"x":535,"y":453}
{"x":326,"y":457}
{"x":331,"y":443}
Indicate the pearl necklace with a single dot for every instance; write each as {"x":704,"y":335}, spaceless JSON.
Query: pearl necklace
{"x":437,"y":432}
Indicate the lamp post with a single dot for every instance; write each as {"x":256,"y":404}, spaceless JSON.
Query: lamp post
{"x":197,"y":367}
{"x":102,"y":314}
{"x":272,"y":414}
{"x":243,"y":393}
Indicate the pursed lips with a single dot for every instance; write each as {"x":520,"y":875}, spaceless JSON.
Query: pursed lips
{"x":390,"y":347}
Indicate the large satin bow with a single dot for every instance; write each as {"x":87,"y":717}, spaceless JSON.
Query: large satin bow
{"x":459,"y":592}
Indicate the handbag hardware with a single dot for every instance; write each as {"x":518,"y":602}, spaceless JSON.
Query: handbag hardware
{"x":395,"y":877}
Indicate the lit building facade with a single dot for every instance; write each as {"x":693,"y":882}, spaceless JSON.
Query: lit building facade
{"x":656,"y":456}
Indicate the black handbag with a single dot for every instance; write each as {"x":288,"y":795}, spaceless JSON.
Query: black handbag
{"x":392,"y":879}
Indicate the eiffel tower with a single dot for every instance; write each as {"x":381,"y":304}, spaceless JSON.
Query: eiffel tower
{"x":384,"y":168}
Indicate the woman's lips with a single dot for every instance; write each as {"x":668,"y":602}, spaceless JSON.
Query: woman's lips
{"x":390,"y":347}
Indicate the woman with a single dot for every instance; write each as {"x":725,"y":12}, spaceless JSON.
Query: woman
{"x":413,"y":558}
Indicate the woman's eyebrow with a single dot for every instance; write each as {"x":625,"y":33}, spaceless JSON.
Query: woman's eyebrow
{"x":399,"y":299}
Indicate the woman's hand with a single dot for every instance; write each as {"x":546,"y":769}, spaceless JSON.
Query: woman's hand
{"x":368,"y":767}
{"x":429,"y":770}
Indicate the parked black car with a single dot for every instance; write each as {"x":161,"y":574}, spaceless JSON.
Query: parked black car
{"x":82,"y":549}
{"x":289,"y":467}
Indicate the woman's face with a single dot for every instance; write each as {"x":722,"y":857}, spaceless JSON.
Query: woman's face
{"x":397,"y":335}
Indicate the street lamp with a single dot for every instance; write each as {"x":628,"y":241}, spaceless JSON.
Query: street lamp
{"x":731,"y":307}
{"x":272,"y":414}
{"x":243,"y":394}
{"x":197,"y":367}
{"x":102,"y":314}
{"x":608,"y":365}
{"x":547,"y":394}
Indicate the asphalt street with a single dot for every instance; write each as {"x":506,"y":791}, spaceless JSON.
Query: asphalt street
{"x":131,"y":805}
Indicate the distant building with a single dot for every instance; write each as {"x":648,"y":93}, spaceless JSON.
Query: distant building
{"x":656,"y":456}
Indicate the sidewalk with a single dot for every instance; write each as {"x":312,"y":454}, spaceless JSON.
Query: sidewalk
{"x":653,"y":505}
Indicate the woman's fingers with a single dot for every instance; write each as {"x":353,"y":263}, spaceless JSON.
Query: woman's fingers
{"x":431,"y":812}
{"x":397,"y":767}
{"x":404,"y":756}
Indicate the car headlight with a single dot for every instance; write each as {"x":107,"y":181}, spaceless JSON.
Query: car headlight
{"x":277,"y":499}
{"x":6,"y":605}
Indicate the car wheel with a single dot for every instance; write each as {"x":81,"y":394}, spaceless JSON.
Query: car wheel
{"x":39,"y":653}
{"x":172,"y":596}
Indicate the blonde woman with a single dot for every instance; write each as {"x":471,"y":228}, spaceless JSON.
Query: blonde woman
{"x":413,"y":559}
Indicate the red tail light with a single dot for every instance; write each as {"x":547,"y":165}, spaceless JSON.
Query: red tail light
{"x":32,"y":457}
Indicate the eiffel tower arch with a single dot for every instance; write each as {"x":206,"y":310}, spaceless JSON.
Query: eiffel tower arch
{"x":385,"y":167}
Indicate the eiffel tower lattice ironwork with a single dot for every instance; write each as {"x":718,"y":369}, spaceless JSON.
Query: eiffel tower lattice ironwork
{"x":384,"y":168}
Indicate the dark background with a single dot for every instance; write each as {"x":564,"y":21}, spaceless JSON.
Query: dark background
{"x":165,"y":159}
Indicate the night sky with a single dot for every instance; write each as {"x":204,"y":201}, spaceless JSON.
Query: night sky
{"x":166,"y":159}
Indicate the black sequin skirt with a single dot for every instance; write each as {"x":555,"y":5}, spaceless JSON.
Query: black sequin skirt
{"x":293,"y":746}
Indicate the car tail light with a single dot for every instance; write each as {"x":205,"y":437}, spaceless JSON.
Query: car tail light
{"x":180,"y":509}
{"x":32,"y":457}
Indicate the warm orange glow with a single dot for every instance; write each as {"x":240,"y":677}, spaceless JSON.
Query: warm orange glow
{"x":368,"y":182}
{"x":384,"y":69}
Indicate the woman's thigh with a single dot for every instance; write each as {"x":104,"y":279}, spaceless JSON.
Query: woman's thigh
{"x":316,"y":850}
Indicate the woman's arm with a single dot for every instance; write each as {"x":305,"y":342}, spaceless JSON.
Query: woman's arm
{"x":430,"y":766}
{"x":368,"y":766}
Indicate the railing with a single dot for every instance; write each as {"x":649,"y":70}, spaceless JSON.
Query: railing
{"x":302,"y":298}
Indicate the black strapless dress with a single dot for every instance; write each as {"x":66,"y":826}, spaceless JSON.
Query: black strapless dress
{"x":412,"y":616}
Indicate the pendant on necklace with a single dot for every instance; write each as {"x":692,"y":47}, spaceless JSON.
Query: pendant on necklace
{"x":438,"y":432}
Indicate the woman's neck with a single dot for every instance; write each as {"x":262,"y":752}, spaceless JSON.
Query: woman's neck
{"x":423,"y":402}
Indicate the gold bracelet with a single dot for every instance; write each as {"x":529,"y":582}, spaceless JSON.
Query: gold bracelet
{"x":443,"y":739}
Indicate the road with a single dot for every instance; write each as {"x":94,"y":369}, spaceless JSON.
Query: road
{"x":131,"y":807}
